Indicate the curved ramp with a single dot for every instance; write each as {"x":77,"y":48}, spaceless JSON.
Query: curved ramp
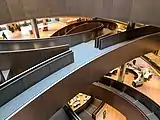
{"x":122,"y":96}
{"x":86,"y":27}
{"x":149,"y":107}
{"x":107,"y":24}
{"x":16,"y":52}
{"x":90,"y":59}
{"x":128,"y":109}
{"x":74,"y":78}
{"x":18,"y":61}
{"x":76,"y":38}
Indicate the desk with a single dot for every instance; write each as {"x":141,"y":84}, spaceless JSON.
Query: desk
{"x":78,"y":101}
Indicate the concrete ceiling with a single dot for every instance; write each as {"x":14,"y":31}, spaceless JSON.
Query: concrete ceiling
{"x":142,"y":11}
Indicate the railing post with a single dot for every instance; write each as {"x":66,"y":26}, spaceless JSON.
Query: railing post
{"x":35,"y":28}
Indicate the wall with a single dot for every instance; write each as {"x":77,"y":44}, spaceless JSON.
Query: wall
{"x":144,"y":11}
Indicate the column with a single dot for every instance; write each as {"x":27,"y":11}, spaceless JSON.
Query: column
{"x":45,"y":27}
{"x":35,"y":28}
{"x":121,"y":75}
{"x":156,"y":52}
{"x":44,"y":21}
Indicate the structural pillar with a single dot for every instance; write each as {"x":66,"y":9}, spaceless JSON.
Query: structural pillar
{"x":156,"y":52}
{"x":44,"y":21}
{"x":121,"y":73}
{"x":35,"y":28}
{"x":130,"y":26}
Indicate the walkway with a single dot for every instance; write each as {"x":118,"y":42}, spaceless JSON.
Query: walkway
{"x":83,"y":54}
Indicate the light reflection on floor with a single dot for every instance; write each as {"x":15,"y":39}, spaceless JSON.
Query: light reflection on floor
{"x":111,"y":113}
{"x":154,"y":58}
{"x":24,"y":33}
{"x":150,"y":88}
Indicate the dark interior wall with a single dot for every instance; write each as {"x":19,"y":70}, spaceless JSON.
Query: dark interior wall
{"x":144,"y":11}
{"x":60,"y":115}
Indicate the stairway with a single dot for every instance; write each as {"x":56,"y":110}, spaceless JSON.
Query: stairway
{"x":86,"y":114}
{"x":60,"y":115}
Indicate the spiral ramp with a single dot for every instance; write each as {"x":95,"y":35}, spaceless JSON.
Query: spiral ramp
{"x":85,"y":47}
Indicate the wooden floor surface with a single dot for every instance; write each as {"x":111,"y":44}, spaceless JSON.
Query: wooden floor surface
{"x":24,"y":33}
{"x":154,"y":58}
{"x":111,"y":113}
{"x":150,"y":88}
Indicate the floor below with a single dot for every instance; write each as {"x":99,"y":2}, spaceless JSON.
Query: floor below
{"x":24,"y":33}
{"x":111,"y":114}
{"x":150,"y":88}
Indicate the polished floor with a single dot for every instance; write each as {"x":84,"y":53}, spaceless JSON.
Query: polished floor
{"x":150,"y":88}
{"x":111,"y":114}
{"x":24,"y":33}
{"x":154,"y":58}
{"x":107,"y":112}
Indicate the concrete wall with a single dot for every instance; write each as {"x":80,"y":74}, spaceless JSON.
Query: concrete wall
{"x":144,"y":11}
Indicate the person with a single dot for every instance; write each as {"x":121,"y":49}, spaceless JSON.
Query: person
{"x":4,"y":36}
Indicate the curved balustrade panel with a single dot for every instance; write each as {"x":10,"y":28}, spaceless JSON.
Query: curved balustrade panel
{"x":17,"y":61}
{"x":77,"y":76}
{"x":85,"y":27}
{"x":67,"y":28}
{"x":111,"y":97}
{"x":110,"y":24}
{"x":71,"y":113}
{"x":14,"y":45}
{"x":106,"y":41}
{"x":146,"y":101}
{"x":94,"y":114}
{"x":2,"y":78}
{"x":18,"y":84}
{"x":95,"y":27}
